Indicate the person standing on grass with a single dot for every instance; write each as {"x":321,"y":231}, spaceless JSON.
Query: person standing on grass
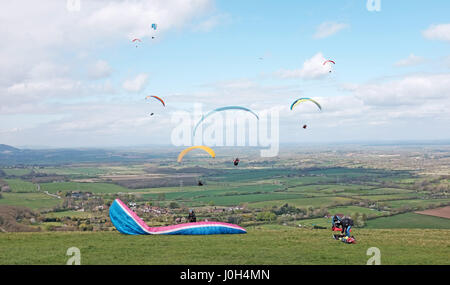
{"x":342,"y":223}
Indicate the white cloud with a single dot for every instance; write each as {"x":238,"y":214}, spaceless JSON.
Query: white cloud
{"x":412,"y":91}
{"x":328,"y":29}
{"x":312,"y":68}
{"x":211,"y":22}
{"x":438,"y":32}
{"x":100,"y":69}
{"x":136,"y":84}
{"x":410,"y":60}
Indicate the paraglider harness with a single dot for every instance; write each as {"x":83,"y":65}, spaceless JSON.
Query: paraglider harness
{"x":191,"y":217}
{"x":344,"y":225}
{"x":236,"y":161}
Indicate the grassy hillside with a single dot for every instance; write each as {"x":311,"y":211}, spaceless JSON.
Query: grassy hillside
{"x":263,"y":245}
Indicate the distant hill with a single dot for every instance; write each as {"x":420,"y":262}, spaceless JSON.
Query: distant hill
{"x":6,"y":148}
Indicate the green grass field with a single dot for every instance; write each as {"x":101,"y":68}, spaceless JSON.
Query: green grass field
{"x":74,"y":214}
{"x":85,"y":187}
{"x":34,"y":201}
{"x":301,"y":202}
{"x":18,"y":185}
{"x":409,"y":220}
{"x":419,"y":202}
{"x":16,"y":171}
{"x":261,"y":245}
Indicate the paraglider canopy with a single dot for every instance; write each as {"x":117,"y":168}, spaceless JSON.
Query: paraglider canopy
{"x":136,"y":41}
{"x":223,"y":109}
{"x":204,"y":148}
{"x":154,"y":26}
{"x":329,"y":61}
{"x":157,"y":98}
{"x":298,"y":101}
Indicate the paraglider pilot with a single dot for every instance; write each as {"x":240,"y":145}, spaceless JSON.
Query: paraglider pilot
{"x":236,"y":161}
{"x":191,"y":217}
{"x":341,"y":223}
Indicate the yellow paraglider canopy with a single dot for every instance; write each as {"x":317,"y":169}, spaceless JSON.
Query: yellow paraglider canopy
{"x":205,"y":148}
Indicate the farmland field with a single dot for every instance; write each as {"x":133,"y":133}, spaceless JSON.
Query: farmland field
{"x":18,"y":185}
{"x":286,"y":209}
{"x":35,"y":201}
{"x":78,"y":186}
{"x":409,"y":220}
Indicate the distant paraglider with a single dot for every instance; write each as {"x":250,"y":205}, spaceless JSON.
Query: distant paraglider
{"x":154,"y":26}
{"x":204,"y":148}
{"x":305,"y":126}
{"x":298,"y":101}
{"x":329,"y":61}
{"x":223,"y":109}
{"x":157,"y":98}
{"x":136,"y":41}
{"x":236,"y":162}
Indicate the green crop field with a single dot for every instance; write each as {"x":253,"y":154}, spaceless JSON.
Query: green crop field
{"x":416,"y":202}
{"x":261,"y":245}
{"x":75,"y":214}
{"x":35,"y":201}
{"x":18,"y":185}
{"x":16,"y":171}
{"x":73,"y":171}
{"x":409,"y":220}
{"x":301,"y":202}
{"x":85,"y":187}
{"x":348,"y":210}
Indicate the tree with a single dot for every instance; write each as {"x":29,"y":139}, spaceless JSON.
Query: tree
{"x":174,"y":205}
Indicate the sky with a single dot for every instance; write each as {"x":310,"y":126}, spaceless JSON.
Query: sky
{"x":73,"y":77}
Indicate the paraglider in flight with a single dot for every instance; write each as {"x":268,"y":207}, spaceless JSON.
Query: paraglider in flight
{"x":154,"y":26}
{"x":298,"y":101}
{"x":330,"y":61}
{"x":151,"y":114}
{"x":236,"y":162}
{"x":305,"y":126}
{"x":223,"y":109}
{"x":136,"y":41}
{"x":200,"y":183}
{"x":157,"y":98}
{"x":205,"y":148}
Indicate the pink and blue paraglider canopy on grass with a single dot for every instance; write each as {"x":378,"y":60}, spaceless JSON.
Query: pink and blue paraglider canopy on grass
{"x":127,"y":222}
